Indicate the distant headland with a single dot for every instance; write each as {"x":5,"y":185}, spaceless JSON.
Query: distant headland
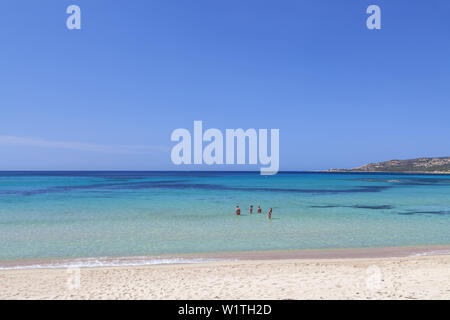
{"x":420,"y":165}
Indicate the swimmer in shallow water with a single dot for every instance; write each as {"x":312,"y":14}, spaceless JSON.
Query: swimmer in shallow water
{"x":259,"y":209}
{"x":238,"y":211}
{"x":251,"y":209}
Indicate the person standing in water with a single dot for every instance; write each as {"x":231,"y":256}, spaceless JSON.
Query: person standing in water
{"x":269,"y":215}
{"x":238,"y":211}
{"x":251,"y":209}
{"x":259,"y":209}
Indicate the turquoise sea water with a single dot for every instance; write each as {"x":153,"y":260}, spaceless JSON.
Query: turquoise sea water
{"x":93,"y":214}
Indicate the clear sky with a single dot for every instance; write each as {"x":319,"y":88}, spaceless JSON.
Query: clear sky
{"x":108,"y":96}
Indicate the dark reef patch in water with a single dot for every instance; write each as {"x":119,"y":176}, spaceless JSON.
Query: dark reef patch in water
{"x":90,"y":187}
{"x":183,"y":185}
{"x":406,"y":181}
{"x":380,"y":207}
{"x":438,"y":212}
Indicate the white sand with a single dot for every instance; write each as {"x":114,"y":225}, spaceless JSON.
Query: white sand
{"x":426,"y":277}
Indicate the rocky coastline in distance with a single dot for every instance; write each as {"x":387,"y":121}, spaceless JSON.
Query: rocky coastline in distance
{"x":419,"y":165}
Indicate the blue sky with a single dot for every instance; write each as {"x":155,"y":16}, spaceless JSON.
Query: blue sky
{"x":108,"y":96}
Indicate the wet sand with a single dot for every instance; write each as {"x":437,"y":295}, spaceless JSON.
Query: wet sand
{"x":386,"y":252}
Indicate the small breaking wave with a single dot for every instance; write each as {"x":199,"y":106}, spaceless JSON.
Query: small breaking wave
{"x":106,"y":262}
{"x":432,"y":253}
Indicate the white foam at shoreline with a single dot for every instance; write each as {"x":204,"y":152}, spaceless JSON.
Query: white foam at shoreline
{"x":109,"y":262}
{"x":431,"y":253}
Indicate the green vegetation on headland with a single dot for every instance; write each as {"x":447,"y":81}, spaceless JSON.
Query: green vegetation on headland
{"x":419,"y":165}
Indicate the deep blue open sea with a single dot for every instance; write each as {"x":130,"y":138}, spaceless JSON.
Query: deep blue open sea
{"x":96,"y":214}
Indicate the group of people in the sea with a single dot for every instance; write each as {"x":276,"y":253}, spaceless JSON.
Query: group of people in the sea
{"x":250,"y":211}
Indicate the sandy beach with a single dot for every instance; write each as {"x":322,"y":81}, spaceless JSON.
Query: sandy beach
{"x":411,"y":277}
